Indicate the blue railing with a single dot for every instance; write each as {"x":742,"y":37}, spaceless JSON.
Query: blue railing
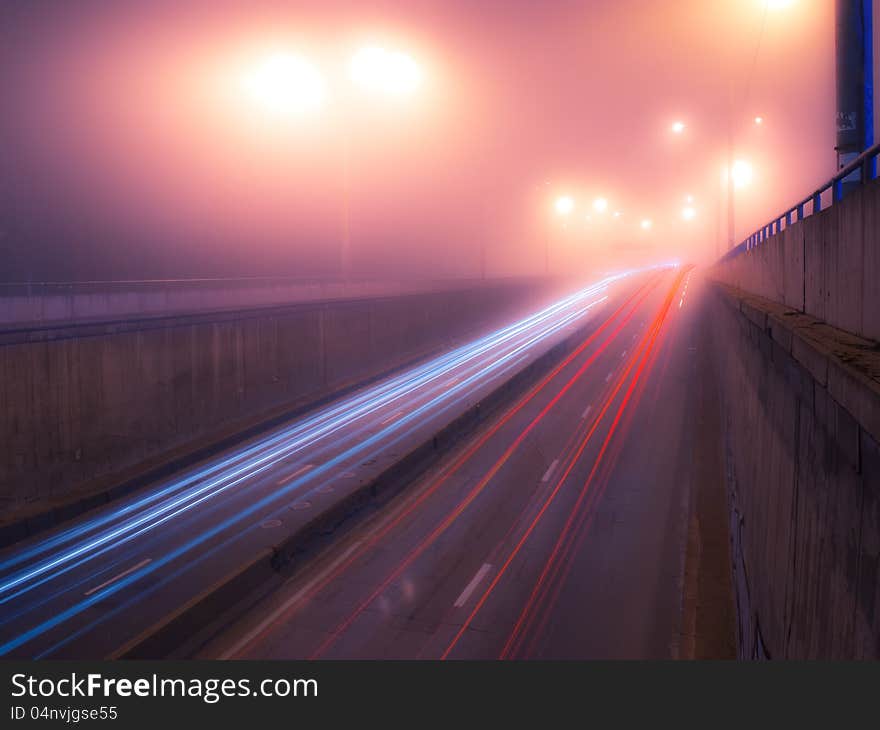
{"x":828,"y":194}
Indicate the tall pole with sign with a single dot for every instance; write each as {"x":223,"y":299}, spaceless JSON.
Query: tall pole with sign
{"x":855,"y":81}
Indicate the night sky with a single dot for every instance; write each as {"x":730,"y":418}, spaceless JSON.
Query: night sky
{"x":128,"y":150}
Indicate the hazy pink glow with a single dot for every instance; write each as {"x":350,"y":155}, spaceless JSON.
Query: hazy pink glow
{"x":130,"y":126}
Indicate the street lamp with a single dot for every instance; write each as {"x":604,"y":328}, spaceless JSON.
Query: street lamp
{"x":646,"y":224}
{"x":564,"y":204}
{"x":285,"y":84}
{"x":678,"y":127}
{"x":600,"y":205}
{"x":564,"y":207}
{"x":390,"y":72}
{"x":688,"y":213}
{"x":741,"y":173}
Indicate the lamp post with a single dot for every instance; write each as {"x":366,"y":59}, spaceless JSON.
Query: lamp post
{"x":564,"y":206}
{"x":290,"y":85}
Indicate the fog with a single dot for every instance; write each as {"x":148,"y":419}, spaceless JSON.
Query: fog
{"x":129,"y":148}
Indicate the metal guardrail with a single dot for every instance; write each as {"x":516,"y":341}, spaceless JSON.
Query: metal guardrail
{"x":865,"y":164}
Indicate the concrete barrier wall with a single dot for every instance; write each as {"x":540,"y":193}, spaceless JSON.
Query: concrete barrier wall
{"x":827,"y":265}
{"x":802,"y":409}
{"x":76,"y":302}
{"x":78,"y":402}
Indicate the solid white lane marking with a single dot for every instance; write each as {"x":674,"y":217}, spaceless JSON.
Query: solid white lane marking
{"x":295,"y":598}
{"x":609,"y":376}
{"x":117,"y":577}
{"x":550,"y":470}
{"x":470,"y":587}
{"x":291,"y":477}
{"x":587,"y":411}
{"x":392,"y":417}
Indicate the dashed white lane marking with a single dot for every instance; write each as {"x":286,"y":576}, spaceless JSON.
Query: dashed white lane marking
{"x":117,"y":577}
{"x":623,"y":355}
{"x":587,"y":411}
{"x":392,"y":417}
{"x":550,"y":470}
{"x":470,"y":587}
{"x":291,"y":477}
{"x":295,"y":598}
{"x":609,"y":377}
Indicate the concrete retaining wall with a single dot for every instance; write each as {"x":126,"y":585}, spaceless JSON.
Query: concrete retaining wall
{"x":827,"y":265}
{"x":83,"y":402}
{"x":802,"y":405}
{"x":76,"y":302}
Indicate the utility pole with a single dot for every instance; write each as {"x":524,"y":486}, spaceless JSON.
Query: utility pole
{"x":854,"y":45}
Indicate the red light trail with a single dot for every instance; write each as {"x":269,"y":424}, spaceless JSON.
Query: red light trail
{"x":644,"y":346}
{"x":631,"y":304}
{"x":635,"y":300}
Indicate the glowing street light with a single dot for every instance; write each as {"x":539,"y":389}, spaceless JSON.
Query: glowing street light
{"x":688,"y":213}
{"x":741,"y":173}
{"x":564,"y":205}
{"x":392,"y":72}
{"x":646,"y":224}
{"x":289,"y":84}
{"x":759,"y":121}
{"x":678,"y":127}
{"x":600,"y":205}
{"x":285,"y":84}
{"x":779,"y":4}
{"x":616,"y":214}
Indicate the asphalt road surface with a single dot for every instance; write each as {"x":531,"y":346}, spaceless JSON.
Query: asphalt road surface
{"x":558,"y":531}
{"x":87,"y":588}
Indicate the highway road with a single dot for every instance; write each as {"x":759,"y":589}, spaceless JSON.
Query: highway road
{"x":89,"y":587}
{"x":559,"y":531}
